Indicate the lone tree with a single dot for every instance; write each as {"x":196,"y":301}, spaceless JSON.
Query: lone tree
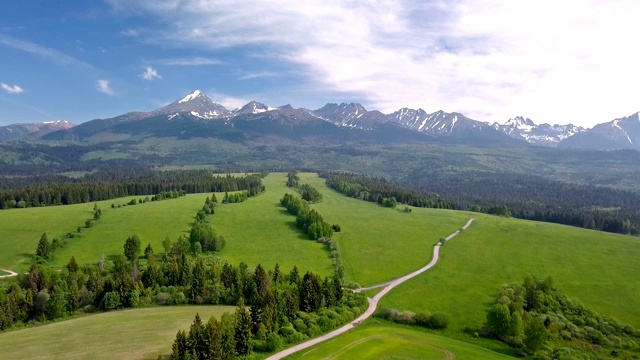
{"x":44,"y":250}
{"x":132,"y":247}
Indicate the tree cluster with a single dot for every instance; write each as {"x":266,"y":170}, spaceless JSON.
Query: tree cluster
{"x":104,"y":188}
{"x":215,"y":339}
{"x":432,"y":321}
{"x":283,"y":309}
{"x":528,"y":315}
{"x":292,"y":179}
{"x":536,"y":198}
{"x":309,"y":193}
{"x":381,"y":191}
{"x":307,"y":219}
{"x":236,"y":198}
{"x":276,"y":299}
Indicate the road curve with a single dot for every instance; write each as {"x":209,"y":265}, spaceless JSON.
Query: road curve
{"x":373,"y":303}
{"x":11,"y":273}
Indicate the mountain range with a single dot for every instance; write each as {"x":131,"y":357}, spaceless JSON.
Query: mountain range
{"x":32,"y":131}
{"x":196,"y":115}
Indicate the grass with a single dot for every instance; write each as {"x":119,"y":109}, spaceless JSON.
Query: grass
{"x":127,"y":334}
{"x":260,"y":231}
{"x":598,"y":269}
{"x":377,"y":339}
{"x":152,"y":222}
{"x":379,"y":244}
{"x":257,"y":231}
{"x":20,"y":230}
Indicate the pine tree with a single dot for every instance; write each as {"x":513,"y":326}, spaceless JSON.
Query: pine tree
{"x":244,"y":345}
{"x":213,"y":330}
{"x":180,"y":347}
{"x":72,"y":265}
{"x":196,"y":340}
{"x":44,"y":248}
{"x":197,"y":282}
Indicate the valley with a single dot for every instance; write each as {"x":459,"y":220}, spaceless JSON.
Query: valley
{"x":376,"y":244}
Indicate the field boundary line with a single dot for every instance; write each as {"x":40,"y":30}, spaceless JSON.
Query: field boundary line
{"x":373,"y":302}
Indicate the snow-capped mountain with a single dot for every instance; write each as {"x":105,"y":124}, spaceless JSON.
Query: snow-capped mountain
{"x":32,"y":130}
{"x":548,"y":135}
{"x":252,"y":107}
{"x":184,"y":118}
{"x":622,"y":133}
{"x":197,"y":104}
{"x":351,"y":115}
{"x":439,"y":123}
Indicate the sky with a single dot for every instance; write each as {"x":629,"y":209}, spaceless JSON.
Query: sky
{"x":569,"y":61}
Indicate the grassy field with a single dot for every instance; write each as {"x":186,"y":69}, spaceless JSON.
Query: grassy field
{"x":20,"y":230}
{"x":260,"y":231}
{"x":151,"y":221}
{"x":598,"y":269}
{"x":378,"y":244}
{"x":257,"y":231}
{"x":376,"y":339}
{"x":126,"y":334}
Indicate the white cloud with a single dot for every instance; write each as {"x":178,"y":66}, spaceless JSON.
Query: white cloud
{"x":15,"y":89}
{"x":569,"y":61}
{"x":230,"y":102}
{"x":104,"y":87}
{"x":257,"y":75}
{"x":130,"y":32}
{"x":194,"y":61}
{"x":150,"y":74}
{"x":44,"y":52}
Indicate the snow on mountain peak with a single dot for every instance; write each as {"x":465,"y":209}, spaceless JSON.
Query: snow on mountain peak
{"x":521,"y":123}
{"x":191,"y":96}
{"x":253,"y":107}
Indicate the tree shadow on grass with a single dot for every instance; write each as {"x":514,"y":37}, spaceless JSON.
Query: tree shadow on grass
{"x":112,"y":257}
{"x":291,"y":224}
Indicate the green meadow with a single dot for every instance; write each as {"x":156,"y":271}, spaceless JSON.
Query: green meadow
{"x":596,"y":268}
{"x":151,"y":221}
{"x":126,"y":334}
{"x":377,"y":339}
{"x":260,"y":231}
{"x":379,"y":244}
{"x":20,"y":229}
{"x":257,"y":231}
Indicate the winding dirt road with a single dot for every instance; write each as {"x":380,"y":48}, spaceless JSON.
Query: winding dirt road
{"x":11,"y":273}
{"x":373,"y":303}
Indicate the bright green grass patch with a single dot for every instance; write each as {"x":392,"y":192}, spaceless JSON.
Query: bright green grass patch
{"x":260,"y":231}
{"x":381,"y":340}
{"x":379,"y":244}
{"x":126,"y":334}
{"x":20,"y":229}
{"x":257,"y":231}
{"x":151,"y":221}
{"x":598,"y":269}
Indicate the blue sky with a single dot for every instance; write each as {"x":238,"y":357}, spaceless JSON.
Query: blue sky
{"x":556,"y":62}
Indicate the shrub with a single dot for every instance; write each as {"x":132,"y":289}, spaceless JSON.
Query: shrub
{"x":299,"y":325}
{"x":422,"y":319}
{"x":287,"y":330}
{"x":403,"y":317}
{"x":163,"y":298}
{"x":438,"y":321}
{"x":111,"y":300}
{"x":272,"y":342}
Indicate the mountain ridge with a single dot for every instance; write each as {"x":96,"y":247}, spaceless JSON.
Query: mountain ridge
{"x":32,"y":131}
{"x":197,"y":106}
